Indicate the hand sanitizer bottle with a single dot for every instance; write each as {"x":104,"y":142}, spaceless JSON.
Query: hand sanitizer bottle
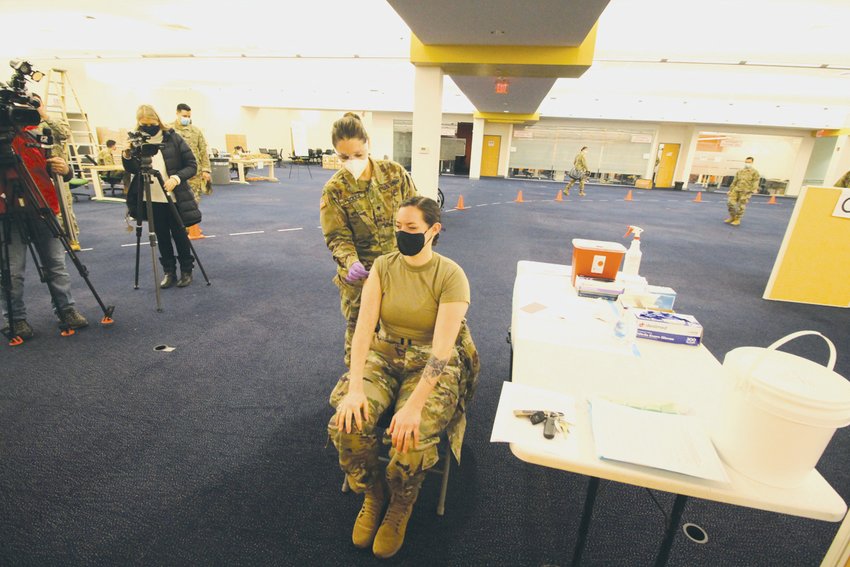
{"x":631,"y":265}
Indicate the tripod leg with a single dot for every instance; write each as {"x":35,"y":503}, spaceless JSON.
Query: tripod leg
{"x":146,"y":185}
{"x":6,"y":278}
{"x":138,"y":252}
{"x":176,"y":213}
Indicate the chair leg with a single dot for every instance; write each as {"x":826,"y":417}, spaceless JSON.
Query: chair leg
{"x":444,"y":485}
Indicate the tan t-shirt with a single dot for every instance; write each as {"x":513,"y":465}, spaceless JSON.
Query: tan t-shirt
{"x":411,"y":295}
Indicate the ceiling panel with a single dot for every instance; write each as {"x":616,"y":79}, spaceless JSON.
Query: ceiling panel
{"x":524,"y":93}
{"x":500,"y":22}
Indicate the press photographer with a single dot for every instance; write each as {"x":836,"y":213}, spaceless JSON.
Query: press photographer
{"x":176,"y":164}
{"x":19,"y":118}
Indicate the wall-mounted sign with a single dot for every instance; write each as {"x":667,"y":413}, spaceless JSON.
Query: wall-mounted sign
{"x":641,"y":138}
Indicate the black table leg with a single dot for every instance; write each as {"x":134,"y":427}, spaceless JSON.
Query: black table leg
{"x":589,"y":499}
{"x":672,"y":528}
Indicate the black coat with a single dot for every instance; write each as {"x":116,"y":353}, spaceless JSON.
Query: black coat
{"x":179,"y":161}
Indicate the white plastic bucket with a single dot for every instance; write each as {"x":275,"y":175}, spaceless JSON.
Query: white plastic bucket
{"x":780,"y":412}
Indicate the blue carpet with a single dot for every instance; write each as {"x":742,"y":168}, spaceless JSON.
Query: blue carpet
{"x":215,"y":453}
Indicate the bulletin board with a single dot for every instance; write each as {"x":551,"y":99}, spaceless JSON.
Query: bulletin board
{"x":813,"y":263}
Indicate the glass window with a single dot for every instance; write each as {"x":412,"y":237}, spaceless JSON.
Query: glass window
{"x":719,"y":155}
{"x":548,"y":152}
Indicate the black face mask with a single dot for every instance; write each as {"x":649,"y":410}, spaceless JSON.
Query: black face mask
{"x":152,"y":129}
{"x":410,"y":243}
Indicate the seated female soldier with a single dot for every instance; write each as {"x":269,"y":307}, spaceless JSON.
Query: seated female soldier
{"x":422,"y":362}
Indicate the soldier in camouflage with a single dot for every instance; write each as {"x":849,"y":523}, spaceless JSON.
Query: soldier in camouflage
{"x":580,"y":168}
{"x":198,"y":144}
{"x":746,"y":183}
{"x":426,"y":378}
{"x":357,"y":212}
{"x":844,"y":181}
{"x":61,"y":131}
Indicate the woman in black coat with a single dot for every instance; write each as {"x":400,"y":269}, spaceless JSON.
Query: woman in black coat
{"x":177,"y":165}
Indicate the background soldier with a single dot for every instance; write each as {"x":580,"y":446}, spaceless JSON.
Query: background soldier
{"x":195,"y":138}
{"x":844,"y":181}
{"x":580,"y":167}
{"x":106,"y":157}
{"x":746,"y":183}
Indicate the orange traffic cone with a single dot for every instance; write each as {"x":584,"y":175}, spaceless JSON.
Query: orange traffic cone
{"x":699,"y":197}
{"x":559,"y":197}
{"x":772,"y":200}
{"x":519,"y":198}
{"x":628,"y":196}
{"x":195,"y":232}
{"x":460,"y":206}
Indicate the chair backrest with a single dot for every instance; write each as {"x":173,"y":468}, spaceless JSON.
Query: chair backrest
{"x":264,"y":150}
{"x":273,"y":153}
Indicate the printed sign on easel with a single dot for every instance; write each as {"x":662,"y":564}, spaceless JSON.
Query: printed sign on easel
{"x":842,"y":207}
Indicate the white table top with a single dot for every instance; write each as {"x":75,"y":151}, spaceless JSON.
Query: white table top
{"x":565,"y":348}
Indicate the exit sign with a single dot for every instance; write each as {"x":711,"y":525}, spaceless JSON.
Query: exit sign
{"x":501,"y":86}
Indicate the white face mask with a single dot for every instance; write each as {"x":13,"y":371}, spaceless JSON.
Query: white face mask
{"x":356,"y":167}
{"x":748,"y":165}
{"x":185,"y":120}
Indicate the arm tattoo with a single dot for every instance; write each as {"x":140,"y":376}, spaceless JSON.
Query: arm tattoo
{"x":433,"y":369}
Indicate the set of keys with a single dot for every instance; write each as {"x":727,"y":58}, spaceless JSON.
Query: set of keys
{"x":552,"y":421}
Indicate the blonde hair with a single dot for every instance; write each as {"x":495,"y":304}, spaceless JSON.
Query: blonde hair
{"x":348,"y":127}
{"x":147,"y":111}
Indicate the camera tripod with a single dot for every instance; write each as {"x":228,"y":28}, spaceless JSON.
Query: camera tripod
{"x":145,"y":172}
{"x":23,"y":207}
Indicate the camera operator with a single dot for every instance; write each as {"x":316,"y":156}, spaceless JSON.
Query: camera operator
{"x":49,"y":248}
{"x":61,"y":131}
{"x":177,"y":165}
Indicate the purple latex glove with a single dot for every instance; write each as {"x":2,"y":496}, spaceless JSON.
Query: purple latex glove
{"x":356,"y":272}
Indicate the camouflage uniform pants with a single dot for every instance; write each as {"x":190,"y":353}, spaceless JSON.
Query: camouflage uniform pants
{"x":580,"y":185}
{"x":199,"y":187}
{"x":349,"y":303}
{"x":391,"y":374}
{"x":737,"y":202}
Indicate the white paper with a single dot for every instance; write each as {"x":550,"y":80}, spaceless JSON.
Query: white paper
{"x":507,"y":428}
{"x":666,"y":441}
{"x":842,"y":207}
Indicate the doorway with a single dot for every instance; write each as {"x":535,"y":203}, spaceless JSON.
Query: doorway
{"x":490,"y":156}
{"x":667,"y":164}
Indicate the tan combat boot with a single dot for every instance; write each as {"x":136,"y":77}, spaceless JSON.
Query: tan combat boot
{"x":370,"y":514}
{"x":736,"y":221}
{"x":390,"y":535}
{"x":730,"y":219}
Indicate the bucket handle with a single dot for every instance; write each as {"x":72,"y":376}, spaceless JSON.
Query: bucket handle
{"x":829,"y":365}
{"x":745,"y":385}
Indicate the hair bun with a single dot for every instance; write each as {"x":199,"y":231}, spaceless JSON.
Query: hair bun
{"x":351,"y":115}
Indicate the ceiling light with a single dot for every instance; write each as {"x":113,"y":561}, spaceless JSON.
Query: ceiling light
{"x":742,"y":62}
{"x":506,"y":111}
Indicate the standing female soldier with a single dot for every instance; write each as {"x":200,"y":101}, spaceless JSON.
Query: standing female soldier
{"x":422,"y":364}
{"x":357,"y":211}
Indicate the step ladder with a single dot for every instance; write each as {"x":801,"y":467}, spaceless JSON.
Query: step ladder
{"x":61,"y":98}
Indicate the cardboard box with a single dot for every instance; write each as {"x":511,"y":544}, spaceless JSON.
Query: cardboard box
{"x":643,"y":184}
{"x":596,"y":258}
{"x":663,"y":297}
{"x":673,"y":328}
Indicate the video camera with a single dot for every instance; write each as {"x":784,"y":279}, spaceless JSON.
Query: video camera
{"x":18,"y":109}
{"x":139,"y":145}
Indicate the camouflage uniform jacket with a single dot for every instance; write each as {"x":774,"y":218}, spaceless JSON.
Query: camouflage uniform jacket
{"x":844,"y":181}
{"x":746,"y":180}
{"x":197,"y":143}
{"x":580,"y":163}
{"x":61,"y":131}
{"x":360,"y":225}
{"x":105,"y":157}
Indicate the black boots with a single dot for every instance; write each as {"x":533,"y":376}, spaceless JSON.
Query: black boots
{"x":168,"y":280}
{"x":185,"y":278}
